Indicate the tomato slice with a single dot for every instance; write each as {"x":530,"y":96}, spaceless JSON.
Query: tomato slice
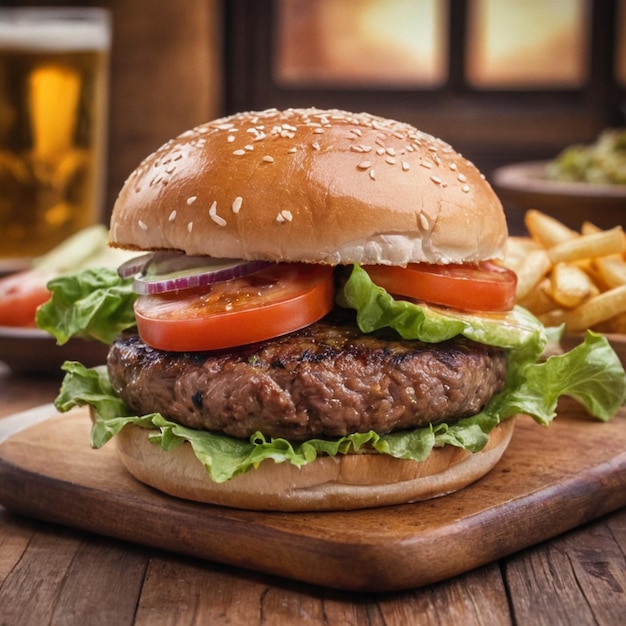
{"x":20,"y":295}
{"x":485,"y":286}
{"x":266,"y":304}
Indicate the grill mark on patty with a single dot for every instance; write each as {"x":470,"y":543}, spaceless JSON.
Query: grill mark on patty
{"x":326,"y":380}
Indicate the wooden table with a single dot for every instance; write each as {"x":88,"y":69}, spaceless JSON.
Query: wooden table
{"x":56,"y":575}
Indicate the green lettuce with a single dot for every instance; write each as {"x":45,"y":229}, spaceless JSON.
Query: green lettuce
{"x":591,"y":373}
{"x":94,"y":304}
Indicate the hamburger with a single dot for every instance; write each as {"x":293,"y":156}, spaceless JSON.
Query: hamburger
{"x":317,"y":319}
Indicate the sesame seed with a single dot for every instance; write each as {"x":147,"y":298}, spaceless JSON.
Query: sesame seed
{"x":357,"y":132}
{"x":172,"y":216}
{"x":427,"y":165}
{"x":231,"y":138}
{"x":191,"y":200}
{"x":315,"y":145}
{"x":462,"y":178}
{"x":268,"y":159}
{"x":249,"y":147}
{"x":390,"y":160}
{"x":142,"y":225}
{"x":292,"y":150}
{"x":220,"y":221}
{"x":436,"y":180}
{"x":364,"y":165}
{"x":237,"y":202}
{"x":380,"y":151}
{"x":284,"y":216}
{"x":372,"y":174}
{"x":391,"y":152}
{"x":424,"y":222}
{"x":318,"y":131}
{"x":465,"y":188}
{"x":189,"y":227}
{"x":239,"y":152}
{"x":405,"y":166}
{"x":453,"y":166}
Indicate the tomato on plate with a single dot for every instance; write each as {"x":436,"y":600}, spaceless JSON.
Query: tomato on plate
{"x":20,"y":295}
{"x":266,"y":304}
{"x":485,"y":286}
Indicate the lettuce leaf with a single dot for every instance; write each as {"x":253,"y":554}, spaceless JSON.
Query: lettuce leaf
{"x":225,"y":457}
{"x":591,"y":373}
{"x":94,"y":304}
{"x":584,"y":373}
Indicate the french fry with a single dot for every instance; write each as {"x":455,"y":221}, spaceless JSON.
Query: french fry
{"x":570,"y":278}
{"x":616,"y":324}
{"x":538,"y":300}
{"x":547,"y":230}
{"x":588,"y":228}
{"x":612,"y":270}
{"x":529,"y":274}
{"x":597,"y":244}
{"x":555,"y":317}
{"x":570,"y":285}
{"x":517,"y":249}
{"x":598,"y":309}
{"x":592,"y":270}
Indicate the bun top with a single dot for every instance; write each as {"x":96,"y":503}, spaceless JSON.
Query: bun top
{"x":310,"y":185}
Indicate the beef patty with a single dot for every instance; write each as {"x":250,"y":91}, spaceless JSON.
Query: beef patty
{"x":326,"y":380}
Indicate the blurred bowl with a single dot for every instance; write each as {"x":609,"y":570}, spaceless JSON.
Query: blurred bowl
{"x":523,"y":186}
{"x":30,"y":350}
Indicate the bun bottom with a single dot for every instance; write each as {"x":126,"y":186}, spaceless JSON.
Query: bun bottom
{"x":352,"y":481}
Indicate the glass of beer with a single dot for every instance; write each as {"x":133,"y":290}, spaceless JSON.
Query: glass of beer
{"x":53,"y":122}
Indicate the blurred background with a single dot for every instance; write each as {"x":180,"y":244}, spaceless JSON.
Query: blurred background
{"x":502,"y":80}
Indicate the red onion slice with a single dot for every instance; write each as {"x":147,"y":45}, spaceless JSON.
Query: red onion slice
{"x":167,"y":271}
{"x":134,"y":266}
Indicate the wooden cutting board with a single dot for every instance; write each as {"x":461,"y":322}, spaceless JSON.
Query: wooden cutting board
{"x":550,"y":480}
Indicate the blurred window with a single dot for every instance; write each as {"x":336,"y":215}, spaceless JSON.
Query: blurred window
{"x":511,"y":44}
{"x":374,"y":43}
{"x":530,"y":44}
{"x":502,"y":80}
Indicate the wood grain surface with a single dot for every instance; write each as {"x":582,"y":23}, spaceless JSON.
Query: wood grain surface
{"x":549,"y":480}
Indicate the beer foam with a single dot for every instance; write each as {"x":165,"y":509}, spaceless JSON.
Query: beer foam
{"x":51,"y":31}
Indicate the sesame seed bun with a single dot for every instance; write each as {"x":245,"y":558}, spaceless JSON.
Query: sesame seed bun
{"x":310,"y":185}
{"x":344,"y":482}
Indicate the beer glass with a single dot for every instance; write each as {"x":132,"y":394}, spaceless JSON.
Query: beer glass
{"x":53,"y":110}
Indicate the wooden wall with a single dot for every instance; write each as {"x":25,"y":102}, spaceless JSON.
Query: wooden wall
{"x":165,"y":76}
